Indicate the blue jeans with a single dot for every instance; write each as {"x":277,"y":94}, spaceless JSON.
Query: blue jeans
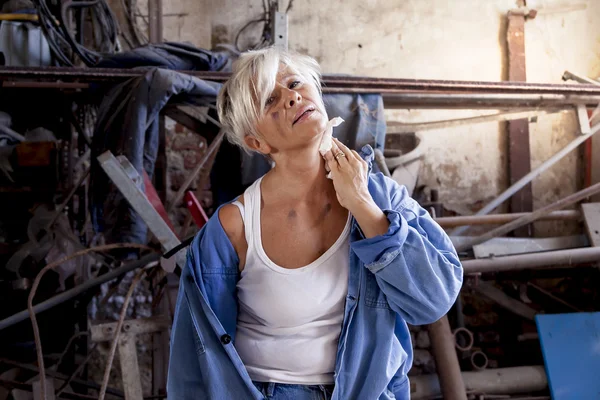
{"x":282,"y":391}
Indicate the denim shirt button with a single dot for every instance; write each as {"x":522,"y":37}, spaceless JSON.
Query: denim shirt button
{"x":225,"y":339}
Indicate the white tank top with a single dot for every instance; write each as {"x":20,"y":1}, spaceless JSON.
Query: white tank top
{"x":289,"y":320}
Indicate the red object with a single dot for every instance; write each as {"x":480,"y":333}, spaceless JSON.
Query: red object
{"x":198,"y":214}
{"x":155,"y":201}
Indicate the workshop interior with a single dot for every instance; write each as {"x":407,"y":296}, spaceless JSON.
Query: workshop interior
{"x":112,"y":159}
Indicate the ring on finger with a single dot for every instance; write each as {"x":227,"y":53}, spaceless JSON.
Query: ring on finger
{"x":340,"y":154}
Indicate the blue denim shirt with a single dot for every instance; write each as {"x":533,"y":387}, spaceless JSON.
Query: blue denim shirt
{"x":411,"y":274}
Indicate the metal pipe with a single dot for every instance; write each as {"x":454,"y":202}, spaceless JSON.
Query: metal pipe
{"x":479,"y":361}
{"x":490,"y":381}
{"x":530,"y":217}
{"x":69,"y":294}
{"x":530,"y":176}
{"x":393,"y":98}
{"x":451,"y":222}
{"x":570,"y":257}
{"x":463,"y":339}
{"x":444,"y":86}
{"x":446,"y":361}
{"x":395,"y":127}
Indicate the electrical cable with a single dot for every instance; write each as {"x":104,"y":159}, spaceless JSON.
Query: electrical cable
{"x":237,"y":36}
{"x":60,"y":40}
{"x":36,"y":283}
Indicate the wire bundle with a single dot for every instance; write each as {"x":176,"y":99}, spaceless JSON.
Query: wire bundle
{"x":60,"y":39}
{"x":265,"y":37}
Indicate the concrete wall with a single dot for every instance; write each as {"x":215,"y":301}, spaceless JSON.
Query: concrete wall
{"x":436,"y":39}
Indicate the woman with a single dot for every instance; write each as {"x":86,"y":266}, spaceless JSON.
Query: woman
{"x":302,"y":287}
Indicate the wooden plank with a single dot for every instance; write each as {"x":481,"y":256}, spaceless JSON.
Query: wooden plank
{"x":591,"y":216}
{"x":519,"y":159}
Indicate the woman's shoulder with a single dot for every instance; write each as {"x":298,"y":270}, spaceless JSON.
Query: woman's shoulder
{"x":231,"y":219}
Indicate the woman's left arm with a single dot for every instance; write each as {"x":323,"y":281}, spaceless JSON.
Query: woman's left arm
{"x":412,"y":258}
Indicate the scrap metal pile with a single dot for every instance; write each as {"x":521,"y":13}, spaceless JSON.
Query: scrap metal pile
{"x":60,"y":238}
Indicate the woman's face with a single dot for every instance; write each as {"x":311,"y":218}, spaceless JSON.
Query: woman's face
{"x":293,"y":118}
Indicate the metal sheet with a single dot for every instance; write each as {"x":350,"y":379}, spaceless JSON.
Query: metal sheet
{"x":124,"y":176}
{"x":507,"y":246}
{"x":591,"y":216}
{"x":571,"y":348}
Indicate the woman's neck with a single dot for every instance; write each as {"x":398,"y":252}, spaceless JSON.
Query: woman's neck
{"x":299,"y":175}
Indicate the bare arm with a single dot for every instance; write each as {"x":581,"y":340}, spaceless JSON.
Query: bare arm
{"x":233,"y":225}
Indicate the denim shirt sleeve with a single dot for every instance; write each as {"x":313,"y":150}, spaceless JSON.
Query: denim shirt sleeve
{"x":414,"y":262}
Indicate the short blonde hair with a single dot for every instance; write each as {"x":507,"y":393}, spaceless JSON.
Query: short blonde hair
{"x":242,"y":98}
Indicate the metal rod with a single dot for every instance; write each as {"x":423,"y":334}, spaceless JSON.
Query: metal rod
{"x":445,"y":86}
{"x":395,"y":127}
{"x":451,"y":222}
{"x":530,"y":217}
{"x":530,"y":176}
{"x":568,"y":75}
{"x":45,"y":85}
{"x":446,"y":361}
{"x":490,"y":381}
{"x":69,"y":294}
{"x":570,"y":257}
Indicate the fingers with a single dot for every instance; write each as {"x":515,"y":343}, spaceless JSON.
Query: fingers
{"x":343,"y":148}
{"x":338,"y":154}
{"x":357,"y":156}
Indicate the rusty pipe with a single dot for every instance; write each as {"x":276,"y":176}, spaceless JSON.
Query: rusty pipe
{"x":444,"y":86}
{"x":479,"y":360}
{"x":446,"y":360}
{"x":463,"y":339}
{"x":530,"y":217}
{"x":570,"y":257}
{"x":452,"y":222}
{"x":503,"y":381}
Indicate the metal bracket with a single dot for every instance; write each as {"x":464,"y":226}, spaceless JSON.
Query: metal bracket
{"x":279,"y":27}
{"x":591,"y":216}
{"x":584,"y":121}
{"x":129,"y":182}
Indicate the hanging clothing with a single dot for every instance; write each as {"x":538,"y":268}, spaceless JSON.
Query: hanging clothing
{"x":127,"y":125}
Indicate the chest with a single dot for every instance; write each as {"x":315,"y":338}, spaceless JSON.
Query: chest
{"x":293,"y":237}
